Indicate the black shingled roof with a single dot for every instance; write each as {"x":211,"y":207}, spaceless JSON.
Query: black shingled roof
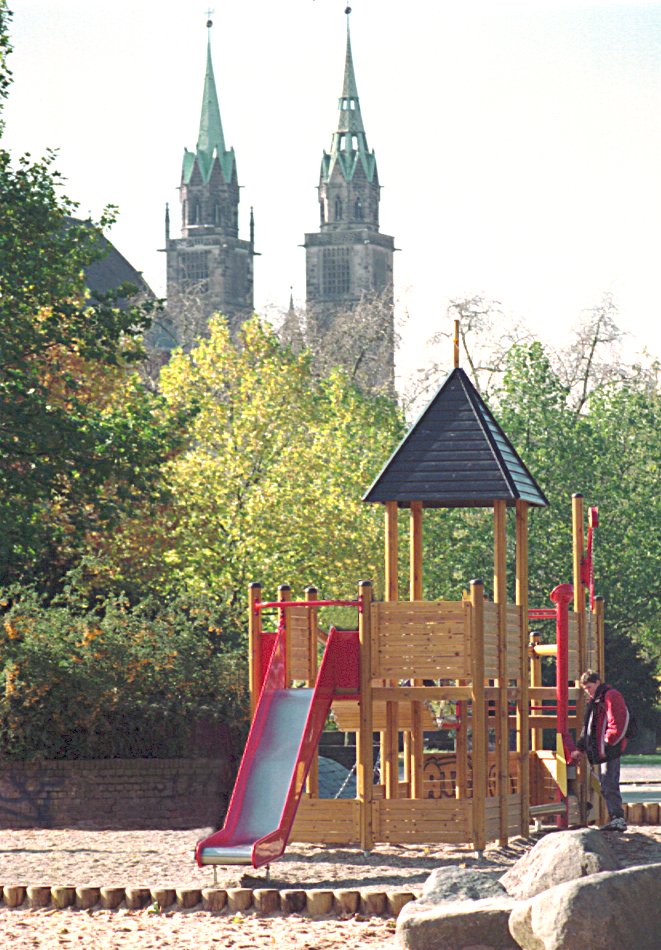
{"x":455,"y":456}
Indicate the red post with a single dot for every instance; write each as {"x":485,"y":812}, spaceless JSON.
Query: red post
{"x":562,"y":597}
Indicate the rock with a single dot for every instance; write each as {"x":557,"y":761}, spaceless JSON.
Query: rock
{"x":612,"y":910}
{"x":458,"y":908}
{"x":475,"y":924}
{"x":454,"y":884}
{"x":559,"y":857}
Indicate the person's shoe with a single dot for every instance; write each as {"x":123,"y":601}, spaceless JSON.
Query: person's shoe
{"x":615,"y":824}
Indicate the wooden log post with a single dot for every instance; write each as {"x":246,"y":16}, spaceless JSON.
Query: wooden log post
{"x":502,"y":716}
{"x":415,"y":593}
{"x":254,"y":645}
{"x":311,"y":593}
{"x":478,"y":718}
{"x":390,"y":737}
{"x":522,"y":711}
{"x":364,"y":745}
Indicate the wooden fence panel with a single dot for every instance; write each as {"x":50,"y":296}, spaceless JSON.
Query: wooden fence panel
{"x":420,"y":640}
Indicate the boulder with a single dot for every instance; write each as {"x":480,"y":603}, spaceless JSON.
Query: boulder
{"x":457,"y":925}
{"x":459,"y":908}
{"x":612,"y":910}
{"x":557,"y":858}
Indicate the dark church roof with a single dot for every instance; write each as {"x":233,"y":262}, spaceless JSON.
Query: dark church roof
{"x":113,"y":270}
{"x":455,"y":456}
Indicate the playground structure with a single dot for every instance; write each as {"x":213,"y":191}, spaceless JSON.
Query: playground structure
{"x":405,"y":657}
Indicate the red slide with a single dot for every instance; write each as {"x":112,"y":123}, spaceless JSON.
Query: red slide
{"x":281,"y":744}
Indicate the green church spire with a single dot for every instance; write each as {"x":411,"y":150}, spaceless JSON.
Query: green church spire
{"x":349,"y":144}
{"x":210,"y":139}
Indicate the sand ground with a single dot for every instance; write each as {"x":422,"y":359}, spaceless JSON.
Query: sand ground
{"x":164,"y":858}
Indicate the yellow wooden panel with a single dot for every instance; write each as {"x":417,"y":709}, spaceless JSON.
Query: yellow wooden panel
{"x":299,"y":656}
{"x":417,"y":639}
{"x":331,"y":821}
{"x":421,"y":820}
{"x":346,"y":713}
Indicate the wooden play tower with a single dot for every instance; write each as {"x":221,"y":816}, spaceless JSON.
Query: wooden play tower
{"x":476,"y":654}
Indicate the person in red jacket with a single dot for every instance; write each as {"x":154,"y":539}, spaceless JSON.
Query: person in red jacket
{"x":603,"y":740}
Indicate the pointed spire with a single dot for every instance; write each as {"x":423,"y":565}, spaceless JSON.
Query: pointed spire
{"x":211,"y":128}
{"x":210,"y":139}
{"x":349,"y":144}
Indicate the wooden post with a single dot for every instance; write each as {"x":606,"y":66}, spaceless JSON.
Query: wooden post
{"x":364,"y":750}
{"x":582,"y":786}
{"x":391,"y":552}
{"x":311,"y":594}
{"x":455,"y":343}
{"x":415,"y":593}
{"x":284,"y":594}
{"x":389,"y":739}
{"x":254,"y":645}
{"x":502,"y":717}
{"x":478,"y":718}
{"x":522,"y":716}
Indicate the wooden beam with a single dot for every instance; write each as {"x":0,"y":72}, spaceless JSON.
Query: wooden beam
{"x":502,"y":724}
{"x":389,"y":739}
{"x":522,"y":711}
{"x":408,"y":694}
{"x":478,"y":724}
{"x":364,"y":752}
{"x":415,"y":593}
{"x":391,"y":552}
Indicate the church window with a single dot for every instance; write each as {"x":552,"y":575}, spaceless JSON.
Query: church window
{"x":358,"y":210}
{"x":217,"y":215}
{"x":338,"y":209}
{"x":195,"y":267}
{"x":336,"y":272}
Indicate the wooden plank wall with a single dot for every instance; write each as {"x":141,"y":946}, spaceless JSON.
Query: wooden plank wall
{"x":514,"y":660}
{"x":490,"y":641}
{"x":299,"y":655}
{"x":408,"y":821}
{"x":328,"y":821}
{"x":420,"y":640}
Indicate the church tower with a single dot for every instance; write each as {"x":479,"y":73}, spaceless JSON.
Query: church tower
{"x":209,"y":268}
{"x":349,"y":263}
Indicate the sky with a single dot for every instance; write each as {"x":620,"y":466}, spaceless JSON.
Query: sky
{"x":518,"y":143}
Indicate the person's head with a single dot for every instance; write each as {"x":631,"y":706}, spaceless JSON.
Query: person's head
{"x":590,"y":681}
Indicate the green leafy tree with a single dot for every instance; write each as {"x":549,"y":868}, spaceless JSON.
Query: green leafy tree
{"x":80,"y":437}
{"x":269,"y":486}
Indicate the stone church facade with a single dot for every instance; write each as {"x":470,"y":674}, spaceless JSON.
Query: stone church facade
{"x":349,"y":262}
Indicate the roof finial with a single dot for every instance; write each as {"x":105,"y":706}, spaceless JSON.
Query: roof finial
{"x":210,"y":13}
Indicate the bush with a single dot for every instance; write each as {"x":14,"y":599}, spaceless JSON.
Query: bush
{"x":114,"y":681}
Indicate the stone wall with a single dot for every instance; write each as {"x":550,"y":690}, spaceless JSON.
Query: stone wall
{"x":115,"y":793}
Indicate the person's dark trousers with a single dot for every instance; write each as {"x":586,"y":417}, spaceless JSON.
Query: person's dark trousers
{"x":609,"y":779}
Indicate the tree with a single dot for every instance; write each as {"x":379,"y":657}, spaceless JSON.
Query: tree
{"x":361,"y":339}
{"x":78,"y":432}
{"x":269,"y":486}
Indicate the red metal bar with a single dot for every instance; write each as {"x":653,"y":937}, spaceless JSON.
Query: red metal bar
{"x":542,"y":613}
{"x":269,"y":604}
